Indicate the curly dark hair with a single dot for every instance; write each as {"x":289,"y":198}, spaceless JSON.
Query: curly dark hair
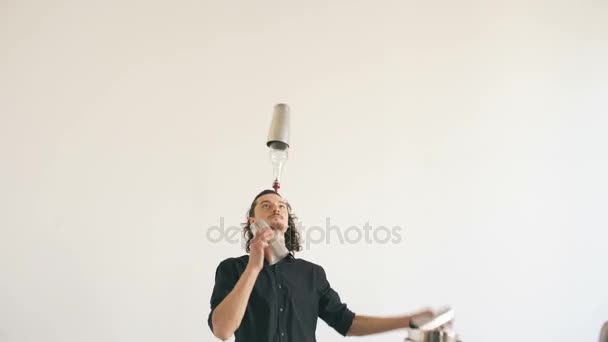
{"x":292,"y":236}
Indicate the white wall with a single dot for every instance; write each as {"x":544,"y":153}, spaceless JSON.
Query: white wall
{"x":128,"y":128}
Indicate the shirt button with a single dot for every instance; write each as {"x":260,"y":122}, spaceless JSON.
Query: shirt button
{"x":281,"y":309}
{"x":279,"y":285}
{"x":282,"y":334}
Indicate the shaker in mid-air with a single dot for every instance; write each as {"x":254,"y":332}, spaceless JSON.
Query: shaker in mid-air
{"x":278,"y":142}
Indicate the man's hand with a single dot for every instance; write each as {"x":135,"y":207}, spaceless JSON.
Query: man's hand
{"x":258,"y":247}
{"x":420,"y":317}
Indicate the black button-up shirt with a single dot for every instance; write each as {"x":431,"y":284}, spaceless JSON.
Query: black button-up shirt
{"x":285,"y":302}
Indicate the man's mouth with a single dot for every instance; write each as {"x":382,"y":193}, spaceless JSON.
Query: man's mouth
{"x":273,"y":216}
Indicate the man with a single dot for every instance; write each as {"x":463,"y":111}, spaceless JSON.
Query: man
{"x":257,"y":301}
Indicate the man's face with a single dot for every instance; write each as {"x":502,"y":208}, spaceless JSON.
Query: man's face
{"x":272,"y":209}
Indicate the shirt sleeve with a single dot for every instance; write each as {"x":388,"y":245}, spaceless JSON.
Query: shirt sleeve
{"x":225,"y":280}
{"x":331,"y":309}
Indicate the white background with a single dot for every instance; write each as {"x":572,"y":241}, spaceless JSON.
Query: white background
{"x":129,"y":128}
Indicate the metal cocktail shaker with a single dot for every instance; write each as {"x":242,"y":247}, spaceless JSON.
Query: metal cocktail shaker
{"x":278,"y":142}
{"x":278,"y":250}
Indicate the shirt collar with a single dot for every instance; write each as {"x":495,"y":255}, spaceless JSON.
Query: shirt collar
{"x":288,"y":258}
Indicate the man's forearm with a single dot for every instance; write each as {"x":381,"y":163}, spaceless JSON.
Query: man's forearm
{"x":367,"y":325}
{"x":228,"y":315}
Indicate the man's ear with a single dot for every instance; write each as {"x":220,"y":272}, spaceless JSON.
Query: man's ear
{"x":251,"y":219}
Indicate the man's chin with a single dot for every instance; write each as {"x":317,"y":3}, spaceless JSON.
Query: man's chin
{"x":277,"y":228}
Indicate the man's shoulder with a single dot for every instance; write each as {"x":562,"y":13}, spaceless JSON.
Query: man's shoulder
{"x":308,"y":264}
{"x":240,"y":262}
{"x":232,"y":262}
